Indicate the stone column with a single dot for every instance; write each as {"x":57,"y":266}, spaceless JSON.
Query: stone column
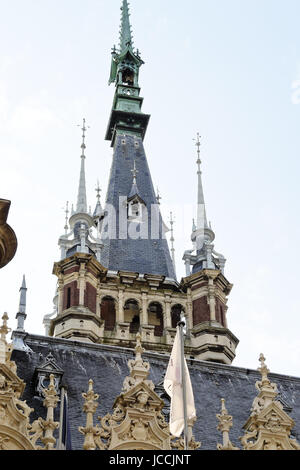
{"x":212,"y":300}
{"x":120,"y":311}
{"x":60,"y":290}
{"x":98,"y":309}
{"x":144,"y":317}
{"x":167,"y":315}
{"x":189,"y":310}
{"x":81,"y":284}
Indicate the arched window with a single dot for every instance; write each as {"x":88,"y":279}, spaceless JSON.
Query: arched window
{"x":155,"y":317}
{"x":132,"y":315}
{"x":175,"y":314}
{"x":108,"y":313}
{"x":128,"y":77}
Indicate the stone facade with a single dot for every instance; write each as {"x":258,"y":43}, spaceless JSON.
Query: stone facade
{"x":98,"y":306}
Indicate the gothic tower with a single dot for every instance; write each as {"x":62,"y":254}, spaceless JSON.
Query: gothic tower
{"x":116,"y":275}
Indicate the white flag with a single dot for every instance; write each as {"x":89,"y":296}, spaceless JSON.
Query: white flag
{"x":173,"y":387}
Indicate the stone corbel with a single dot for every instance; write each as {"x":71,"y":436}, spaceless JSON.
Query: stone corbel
{"x":127,"y":277}
{"x":153,"y":281}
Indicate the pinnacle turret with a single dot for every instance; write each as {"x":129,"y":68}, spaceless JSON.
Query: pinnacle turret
{"x":202,"y":256}
{"x":79,"y":238}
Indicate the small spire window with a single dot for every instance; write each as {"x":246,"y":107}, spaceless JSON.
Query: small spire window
{"x":135,"y":210}
{"x":128,"y":77}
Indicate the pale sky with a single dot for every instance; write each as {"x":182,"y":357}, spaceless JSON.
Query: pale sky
{"x":227,"y":69}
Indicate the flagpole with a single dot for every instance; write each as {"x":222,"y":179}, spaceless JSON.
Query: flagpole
{"x":61,"y":417}
{"x":181,"y":325}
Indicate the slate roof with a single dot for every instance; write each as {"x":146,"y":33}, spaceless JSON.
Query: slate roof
{"x":107,"y":366}
{"x":145,"y":256}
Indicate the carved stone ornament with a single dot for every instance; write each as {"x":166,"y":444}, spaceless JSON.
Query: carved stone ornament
{"x":225,"y":424}
{"x":43,"y":372}
{"x":137,"y":421}
{"x":16,"y":432}
{"x":269,"y":426}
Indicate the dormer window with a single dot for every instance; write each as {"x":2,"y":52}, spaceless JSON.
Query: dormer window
{"x":135,"y":210}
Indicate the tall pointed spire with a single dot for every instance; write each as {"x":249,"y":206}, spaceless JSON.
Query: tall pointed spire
{"x":125,"y":29}
{"x":81,"y":221}
{"x":201,"y":211}
{"x":202,"y":234}
{"x":81,"y":198}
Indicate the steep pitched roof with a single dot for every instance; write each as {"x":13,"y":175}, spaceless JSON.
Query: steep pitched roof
{"x":149,"y":254}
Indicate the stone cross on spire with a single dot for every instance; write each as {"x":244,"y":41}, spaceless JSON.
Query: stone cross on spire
{"x":81,"y":199}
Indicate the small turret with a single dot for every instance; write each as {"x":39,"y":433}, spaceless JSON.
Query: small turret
{"x":208,"y":288}
{"x":81,"y":222}
{"x":203,"y":255}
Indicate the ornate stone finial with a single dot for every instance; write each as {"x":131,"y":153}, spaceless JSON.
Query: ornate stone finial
{"x":4,"y":330}
{"x":139,"y":369}
{"x":263,"y":370}
{"x":5,"y":348}
{"x":50,"y":402}
{"x":90,"y":406}
{"x":225,"y":424}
